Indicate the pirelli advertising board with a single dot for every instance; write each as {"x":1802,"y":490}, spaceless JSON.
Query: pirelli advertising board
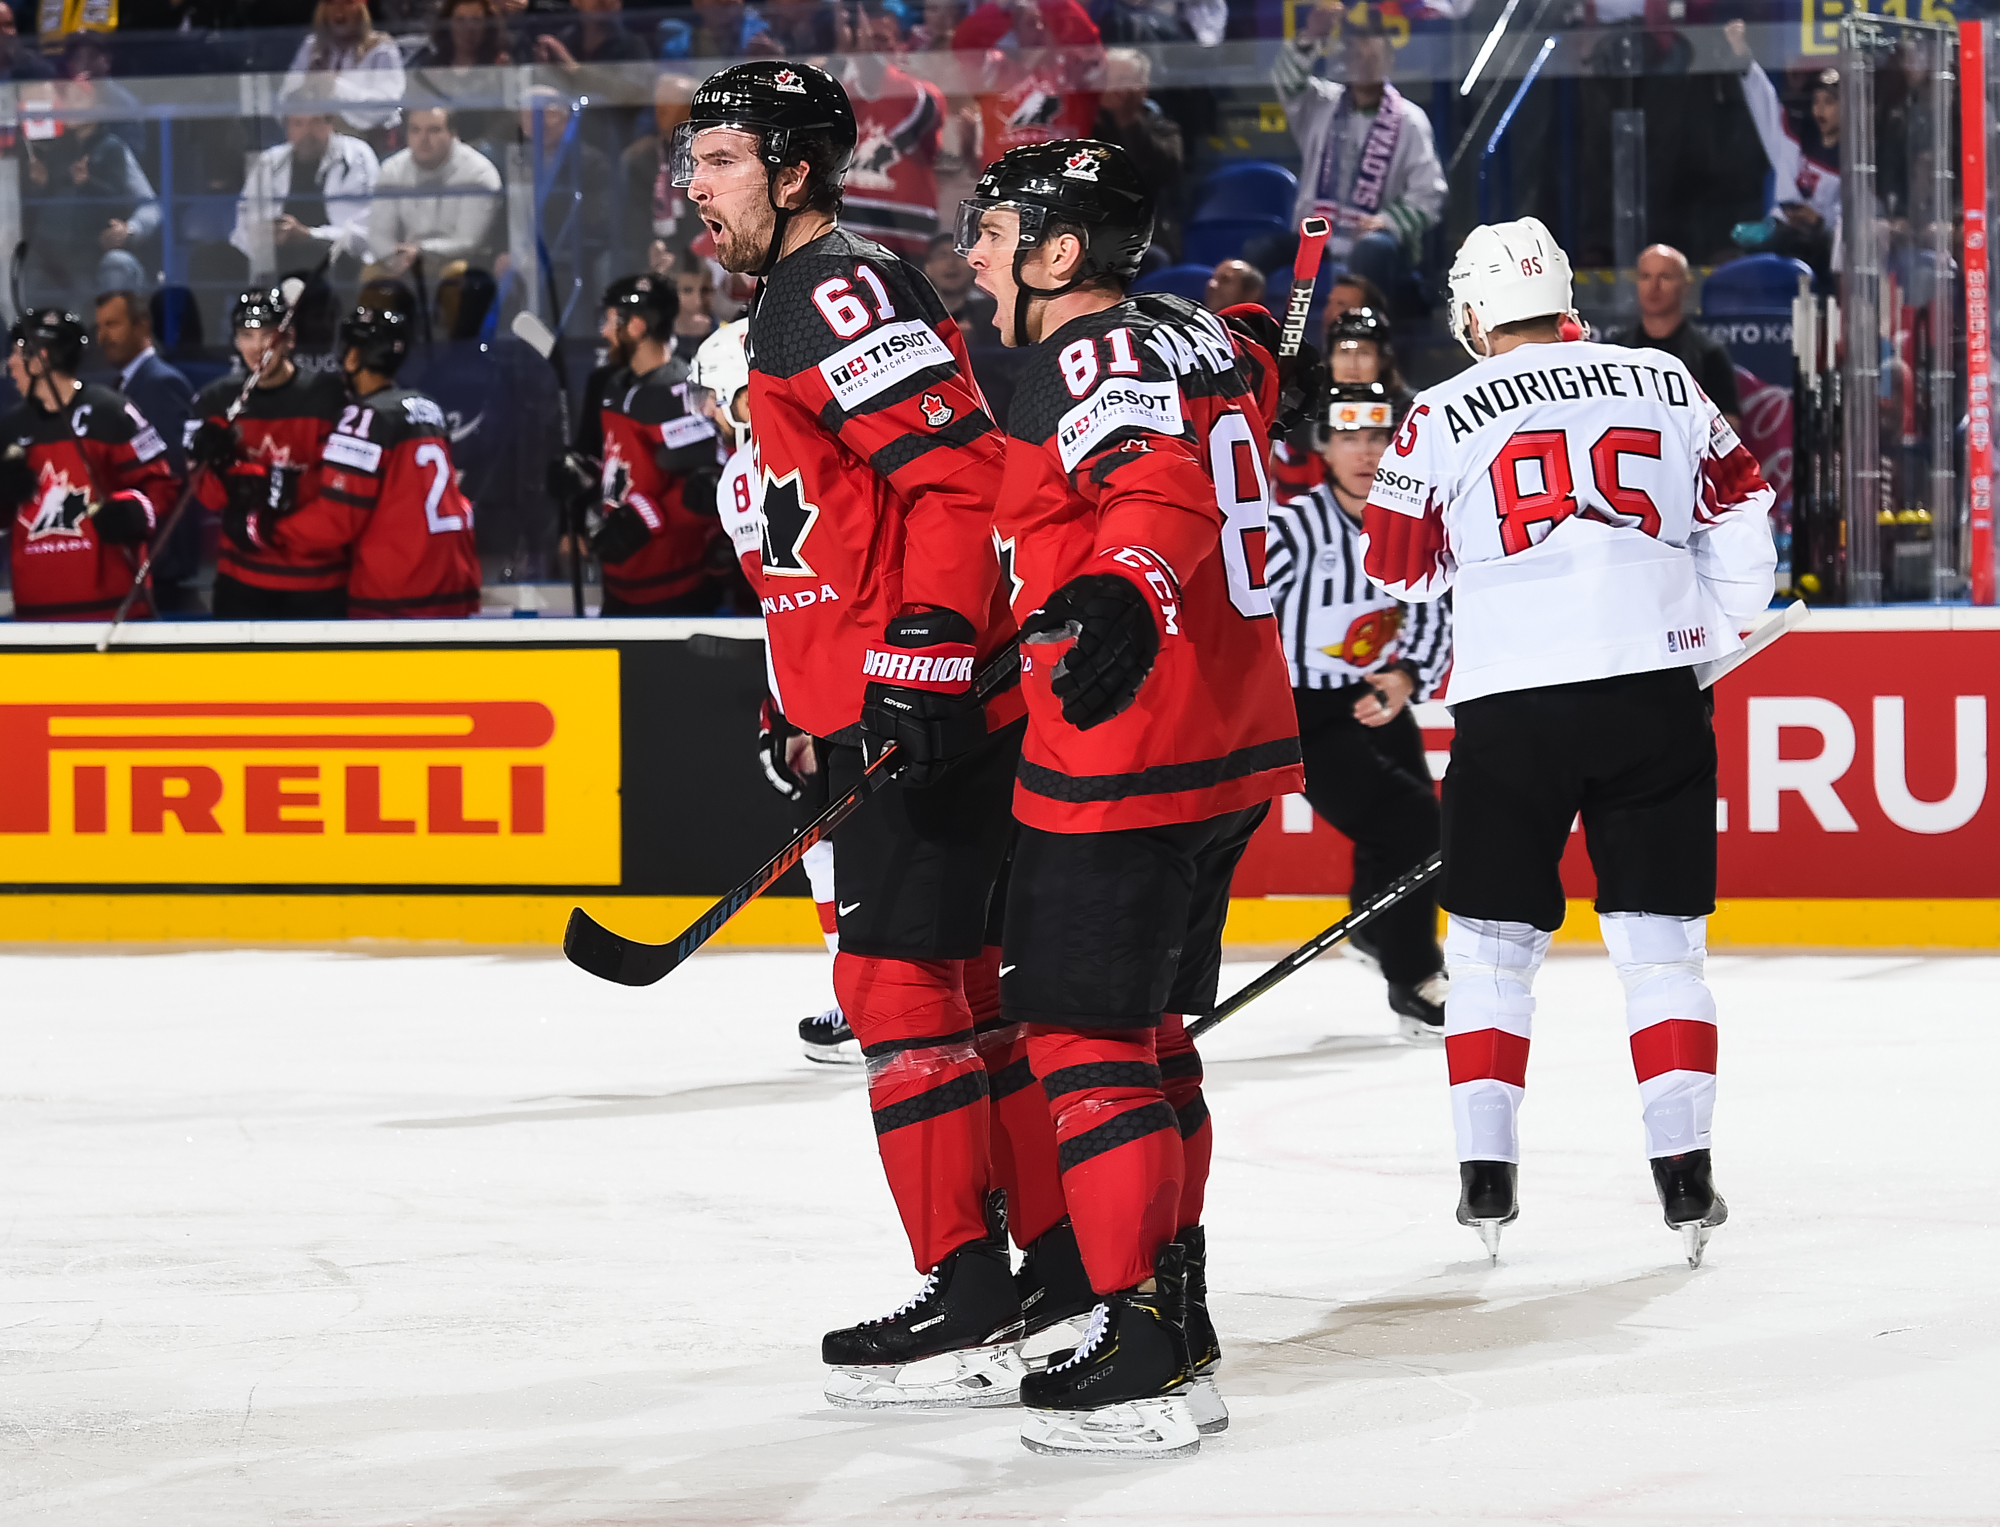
{"x":502,"y":765}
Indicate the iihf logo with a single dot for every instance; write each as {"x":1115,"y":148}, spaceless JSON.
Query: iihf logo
{"x":937,"y":412}
{"x":788,"y":79}
{"x":1082,"y":165}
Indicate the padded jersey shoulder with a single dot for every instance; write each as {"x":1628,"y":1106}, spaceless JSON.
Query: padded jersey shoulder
{"x":792,"y":327}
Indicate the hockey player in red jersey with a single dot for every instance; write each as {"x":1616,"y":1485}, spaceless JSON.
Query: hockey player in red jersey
{"x":656,"y":484}
{"x":388,"y":496}
{"x":1603,"y":533}
{"x":267,"y":464}
{"x":881,"y":593}
{"x":891,"y":194}
{"x":83,"y":476}
{"x":1160,"y":727}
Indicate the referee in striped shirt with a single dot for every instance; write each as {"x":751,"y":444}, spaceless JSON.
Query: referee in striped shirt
{"x":1358,"y":660}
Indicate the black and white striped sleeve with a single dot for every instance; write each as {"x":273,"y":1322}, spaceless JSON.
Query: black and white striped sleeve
{"x":1427,"y":643}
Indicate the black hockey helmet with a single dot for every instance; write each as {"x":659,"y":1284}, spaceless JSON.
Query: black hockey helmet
{"x":1356,"y":406}
{"x":656,"y":299}
{"x":55,"y":337}
{"x":1359,"y":323}
{"x":1075,"y":181}
{"x":258,"y":307}
{"x":381,"y":336}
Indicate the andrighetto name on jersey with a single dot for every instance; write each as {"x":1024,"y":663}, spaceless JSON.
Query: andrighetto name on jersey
{"x":803,"y":599}
{"x":1488,"y":401}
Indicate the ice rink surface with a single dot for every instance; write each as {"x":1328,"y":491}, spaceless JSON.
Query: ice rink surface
{"x":313,"y":1238}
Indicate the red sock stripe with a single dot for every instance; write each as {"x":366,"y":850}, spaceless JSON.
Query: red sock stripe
{"x":1487,"y":1053}
{"x":1678,"y":1044}
{"x":828,"y":923}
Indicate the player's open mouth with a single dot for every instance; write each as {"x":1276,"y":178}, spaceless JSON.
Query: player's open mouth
{"x":714,"y":227}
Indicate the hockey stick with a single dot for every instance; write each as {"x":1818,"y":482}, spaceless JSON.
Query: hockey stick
{"x":1305,"y":277}
{"x":538,"y":337}
{"x":1768,"y":630}
{"x":591,"y":946}
{"x":292,"y":289}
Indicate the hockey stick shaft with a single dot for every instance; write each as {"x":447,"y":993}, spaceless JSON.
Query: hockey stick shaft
{"x":1305,"y":277}
{"x":1768,"y":631}
{"x":591,"y":946}
{"x":193,"y":483}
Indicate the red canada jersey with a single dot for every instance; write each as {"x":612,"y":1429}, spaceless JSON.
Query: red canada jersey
{"x":878,"y":466}
{"x":1139,"y":449}
{"x":389,"y":497}
{"x":891,"y":193}
{"x":283,"y":430}
{"x":96,"y":449}
{"x":653,"y":442}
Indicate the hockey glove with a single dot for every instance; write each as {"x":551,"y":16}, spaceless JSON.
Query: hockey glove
{"x":773,"y":732}
{"x":1117,"y":641}
{"x":573,"y":478}
{"x":19,"y":481}
{"x":1302,"y":384}
{"x":122,"y":520}
{"x":920,"y":696}
{"x":698,"y":493}
{"x":248,"y":496}
{"x":623,"y":533}
{"x":215,"y":445}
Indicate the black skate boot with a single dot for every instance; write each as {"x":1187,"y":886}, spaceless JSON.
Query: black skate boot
{"x":1054,"y":1287}
{"x":1123,"y":1393}
{"x":1686,"y":1185}
{"x":1204,"y":1349}
{"x":1420,"y":1008}
{"x":826,"y":1038}
{"x":967,"y":1314}
{"x":1488,"y":1198}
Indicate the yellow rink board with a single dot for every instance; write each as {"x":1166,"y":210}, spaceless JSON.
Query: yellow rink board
{"x":45,"y":918}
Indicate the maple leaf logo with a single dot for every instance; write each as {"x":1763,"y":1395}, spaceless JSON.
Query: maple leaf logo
{"x":937,"y":412}
{"x":1082,"y":165}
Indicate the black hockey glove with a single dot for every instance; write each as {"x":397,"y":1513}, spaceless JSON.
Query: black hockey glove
{"x":622,"y":534}
{"x":1117,"y":641}
{"x":215,"y":445}
{"x":698,"y":493}
{"x":920,"y":696}
{"x":773,"y":732}
{"x":573,"y":478}
{"x":19,"y":481}
{"x":247,"y":496}
{"x":1302,"y":384}
{"x":122,"y":520}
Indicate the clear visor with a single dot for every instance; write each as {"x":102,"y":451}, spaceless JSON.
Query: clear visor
{"x":681,"y":157}
{"x":972,"y":212}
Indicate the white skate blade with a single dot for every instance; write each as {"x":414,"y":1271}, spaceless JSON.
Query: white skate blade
{"x":975,"y":1377}
{"x":1052,"y":1342}
{"x":1694,"y":1239}
{"x":846,"y":1053}
{"x":1157,"y":1428}
{"x":1489,"y":1235}
{"x":1418,"y":1032}
{"x":1205,"y":1404}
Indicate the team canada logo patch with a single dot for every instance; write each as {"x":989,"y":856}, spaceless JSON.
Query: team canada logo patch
{"x":788,"y":80}
{"x":1082,"y":165}
{"x":937,"y":412}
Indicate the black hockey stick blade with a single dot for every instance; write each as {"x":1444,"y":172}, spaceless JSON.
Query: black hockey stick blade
{"x":591,"y":946}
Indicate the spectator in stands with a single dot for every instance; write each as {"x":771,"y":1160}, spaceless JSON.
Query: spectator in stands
{"x":969,"y":307}
{"x":657,"y":215}
{"x":598,"y":36}
{"x":1234,"y":281}
{"x":86,"y":56}
{"x":1804,"y":204}
{"x":720,"y":29}
{"x":571,"y":229}
{"x":1369,"y":163}
{"x":467,"y":38}
{"x":1127,"y":117}
{"x":165,"y":397}
{"x":1663,"y":287}
{"x":438,"y":199}
{"x":694,"y":283}
{"x":796,"y":27}
{"x":1037,"y":66}
{"x":86,"y":206}
{"x":891,"y":194}
{"x":307,"y":195}
{"x":940,"y":19}
{"x":366,"y":65}
{"x":19,"y":61}
{"x":1352,"y":291}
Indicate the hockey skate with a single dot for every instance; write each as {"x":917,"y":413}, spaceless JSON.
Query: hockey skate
{"x":956,"y":1343}
{"x":1211,"y":1415}
{"x":1686,"y":1185}
{"x":827,"y":1038}
{"x":1056,"y":1296}
{"x":1123,"y":1393}
{"x":1488,"y":1199}
{"x":1420,"y":1008}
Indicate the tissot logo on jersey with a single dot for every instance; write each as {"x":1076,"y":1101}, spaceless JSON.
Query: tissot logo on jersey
{"x":1397,"y":489}
{"x":1114,"y":406}
{"x":880,"y":360}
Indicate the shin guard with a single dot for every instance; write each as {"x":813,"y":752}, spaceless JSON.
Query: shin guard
{"x":1024,"y":1138}
{"x":1488,"y":1019}
{"x":928,"y":1092}
{"x":1180,"y":1074}
{"x":1670,"y":1014}
{"x":1118,"y":1145}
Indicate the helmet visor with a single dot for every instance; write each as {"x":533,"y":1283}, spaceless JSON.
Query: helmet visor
{"x":732,"y":152}
{"x":971,"y":220}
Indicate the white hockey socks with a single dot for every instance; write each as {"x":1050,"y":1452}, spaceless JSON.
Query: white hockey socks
{"x":1670,"y":1013}
{"x":1488,"y":1020}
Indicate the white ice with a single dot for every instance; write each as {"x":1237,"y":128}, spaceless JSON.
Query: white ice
{"x":312,"y":1238}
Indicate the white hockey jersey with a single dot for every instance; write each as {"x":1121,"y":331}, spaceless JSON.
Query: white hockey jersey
{"x":739,"y":503}
{"x":1592,"y":510}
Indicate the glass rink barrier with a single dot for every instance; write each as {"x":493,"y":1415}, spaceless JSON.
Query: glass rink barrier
{"x":1795,"y":201}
